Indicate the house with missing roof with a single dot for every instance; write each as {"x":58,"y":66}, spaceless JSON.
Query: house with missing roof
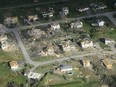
{"x":32,"y":17}
{"x":16,"y":65}
{"x":49,"y":50}
{"x":86,"y":44}
{"x":86,"y":63}
{"x":7,"y":45}
{"x":68,"y":46}
{"x":55,"y":26}
{"x":107,"y":63}
{"x":11,"y":21}
{"x":65,"y":10}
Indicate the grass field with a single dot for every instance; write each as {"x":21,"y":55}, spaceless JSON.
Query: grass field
{"x":79,"y":84}
{"x":9,"y":56}
{"x":6,"y":75}
{"x":20,"y":79}
{"x":101,"y":32}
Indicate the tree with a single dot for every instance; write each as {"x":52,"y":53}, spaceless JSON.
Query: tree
{"x":109,"y":80}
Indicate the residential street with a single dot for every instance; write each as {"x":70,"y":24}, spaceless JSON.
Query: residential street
{"x":112,"y":47}
{"x":111,"y":18}
{"x":26,"y":56}
{"x":108,"y":14}
{"x":36,"y":64}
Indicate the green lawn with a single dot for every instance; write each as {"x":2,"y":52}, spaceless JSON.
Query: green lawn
{"x":108,"y":34}
{"x":79,"y":84}
{"x":108,"y":31}
{"x":20,"y":79}
{"x":7,"y":56}
{"x":6,"y":75}
{"x":4,"y":69}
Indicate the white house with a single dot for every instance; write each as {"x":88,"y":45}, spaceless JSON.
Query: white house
{"x":46,"y":14}
{"x":98,"y":23}
{"x":83,"y":9}
{"x":101,"y":7}
{"x":50,"y":14}
{"x":65,"y":10}
{"x":108,"y":41}
{"x":55,"y":26}
{"x":101,"y":23}
{"x":86,"y":44}
{"x":77,"y":24}
{"x":66,"y":68}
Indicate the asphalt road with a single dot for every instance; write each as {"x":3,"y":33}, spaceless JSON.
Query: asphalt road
{"x":36,"y":64}
{"x":111,"y":18}
{"x":108,"y":14}
{"x":21,"y":45}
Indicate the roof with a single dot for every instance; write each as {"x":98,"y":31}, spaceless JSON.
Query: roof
{"x":86,"y":42}
{"x":10,"y":20}
{"x":106,"y":61}
{"x":35,"y":17}
{"x":78,"y":23}
{"x":66,"y":43}
{"x":66,"y":67}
